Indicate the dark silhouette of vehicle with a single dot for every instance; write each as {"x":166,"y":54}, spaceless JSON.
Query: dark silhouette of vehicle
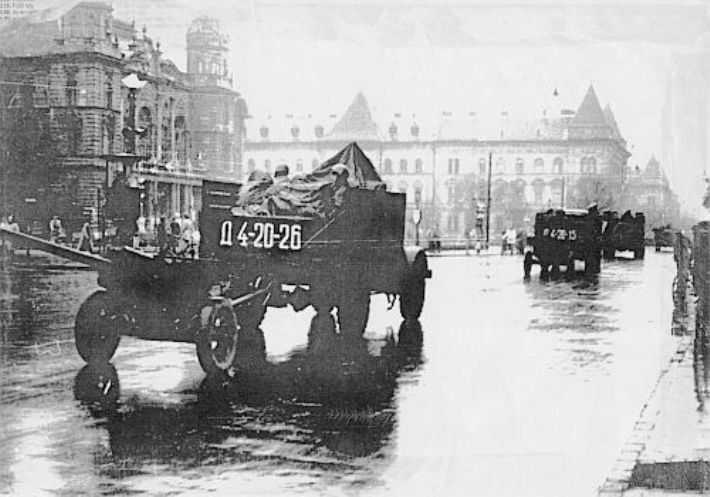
{"x":624,"y":234}
{"x":663,"y":236}
{"x":250,"y":262}
{"x":562,"y":237}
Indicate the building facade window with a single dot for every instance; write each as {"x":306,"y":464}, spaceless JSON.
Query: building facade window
{"x":251,"y":165}
{"x":108,"y":91}
{"x":314,"y":164}
{"x":145,"y":125}
{"x":402,"y":187}
{"x":71,"y":90}
{"x":558,"y":165}
{"x":500,"y":165}
{"x":453,"y":166}
{"x":539,"y":165}
{"x":418,"y":166}
{"x":299,"y":166}
{"x":556,"y":193}
{"x":403,"y":166}
{"x":267,"y":166}
{"x":519,"y":166}
{"x":388,"y":166}
{"x":538,"y":189}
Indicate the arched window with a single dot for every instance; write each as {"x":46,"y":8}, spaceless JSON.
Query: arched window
{"x":251,"y":165}
{"x":500,"y":165}
{"x":519,"y":189}
{"x":314,"y":164}
{"x":519,"y":166}
{"x":267,"y":165}
{"x":583,"y":165}
{"x":299,"y":166}
{"x":388,"y":166}
{"x":418,"y":166}
{"x":558,"y":165}
{"x":393,"y":132}
{"x":539,"y":165}
{"x":403,"y":166}
{"x":591,"y":165}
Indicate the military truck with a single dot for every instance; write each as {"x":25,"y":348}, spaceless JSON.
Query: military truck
{"x":624,"y":234}
{"x":663,"y":236}
{"x":562,"y":237}
{"x":326,"y":240}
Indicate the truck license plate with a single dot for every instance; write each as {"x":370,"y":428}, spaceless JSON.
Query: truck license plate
{"x":262,"y":235}
{"x":560,"y":234}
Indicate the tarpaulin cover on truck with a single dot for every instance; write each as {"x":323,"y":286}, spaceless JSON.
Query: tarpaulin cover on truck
{"x":311,"y":195}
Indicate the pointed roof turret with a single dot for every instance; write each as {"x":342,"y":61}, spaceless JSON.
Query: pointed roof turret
{"x":357,"y":123}
{"x":611,"y":121}
{"x":590,"y":121}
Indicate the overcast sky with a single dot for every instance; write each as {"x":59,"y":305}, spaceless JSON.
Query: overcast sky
{"x":312,"y":57}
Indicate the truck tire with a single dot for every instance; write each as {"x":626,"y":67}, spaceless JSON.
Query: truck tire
{"x":411,"y":300}
{"x":97,"y":328}
{"x":639,"y":252}
{"x":216,"y":337}
{"x":353,"y":311}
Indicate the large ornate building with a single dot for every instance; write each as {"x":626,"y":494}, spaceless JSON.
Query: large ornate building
{"x":561,"y":158}
{"x":86,"y":97}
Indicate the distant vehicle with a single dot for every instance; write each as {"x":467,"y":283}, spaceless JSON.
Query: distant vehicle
{"x":624,"y":234}
{"x":562,"y":237}
{"x":663,"y":237}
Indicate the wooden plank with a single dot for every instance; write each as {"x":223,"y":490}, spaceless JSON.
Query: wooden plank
{"x":28,"y":241}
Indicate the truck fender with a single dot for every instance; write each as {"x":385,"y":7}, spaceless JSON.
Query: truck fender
{"x":417,"y":262}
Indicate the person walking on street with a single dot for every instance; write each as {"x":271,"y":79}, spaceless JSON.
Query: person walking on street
{"x":56,"y":231}
{"x":9,"y":224}
{"x":86,"y":242}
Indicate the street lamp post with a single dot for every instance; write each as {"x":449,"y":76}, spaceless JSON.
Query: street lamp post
{"x":488,"y":199}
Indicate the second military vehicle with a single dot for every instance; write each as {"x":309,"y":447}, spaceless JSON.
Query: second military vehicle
{"x":562,"y":237}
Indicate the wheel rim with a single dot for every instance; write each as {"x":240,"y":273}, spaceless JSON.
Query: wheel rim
{"x":222,"y":339}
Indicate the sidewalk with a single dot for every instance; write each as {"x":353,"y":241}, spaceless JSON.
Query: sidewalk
{"x":668,"y":452}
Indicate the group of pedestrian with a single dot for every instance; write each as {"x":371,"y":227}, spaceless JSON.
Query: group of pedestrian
{"x":178,"y":237}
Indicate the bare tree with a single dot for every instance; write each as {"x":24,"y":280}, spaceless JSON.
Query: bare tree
{"x":601,"y":190}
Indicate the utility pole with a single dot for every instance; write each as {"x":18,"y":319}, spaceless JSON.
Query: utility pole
{"x":488,"y":200}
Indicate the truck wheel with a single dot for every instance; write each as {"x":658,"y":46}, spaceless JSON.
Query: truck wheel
{"x":639,"y":253}
{"x":411,"y":300}
{"x":97,"y":328}
{"x":527,"y":265}
{"x":216,"y":339}
{"x":658,"y":248}
{"x":354,"y":312}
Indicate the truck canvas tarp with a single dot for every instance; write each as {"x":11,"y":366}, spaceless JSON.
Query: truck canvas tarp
{"x":311,"y":195}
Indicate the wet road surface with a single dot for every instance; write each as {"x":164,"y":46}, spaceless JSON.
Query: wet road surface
{"x":516,"y":389}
